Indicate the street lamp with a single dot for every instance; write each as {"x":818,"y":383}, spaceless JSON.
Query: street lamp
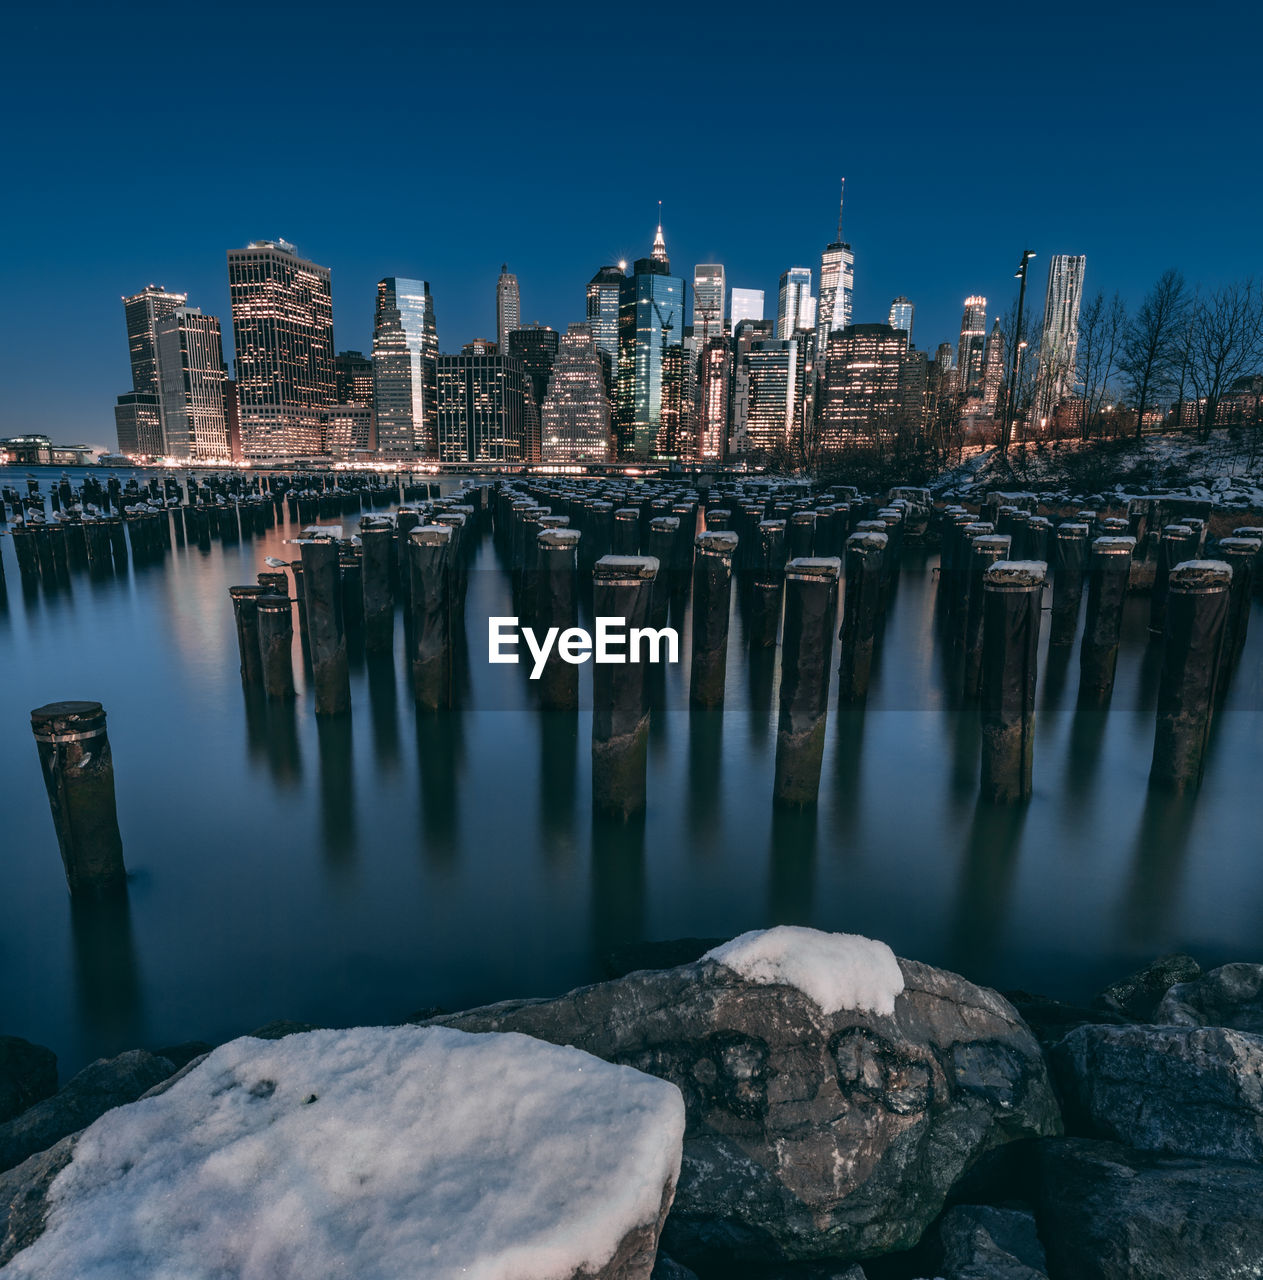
{"x":1019,"y":274}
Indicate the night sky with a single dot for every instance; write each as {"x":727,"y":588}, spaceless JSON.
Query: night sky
{"x":436,"y":142}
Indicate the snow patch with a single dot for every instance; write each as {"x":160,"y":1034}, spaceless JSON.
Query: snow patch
{"x":834,"y":970}
{"x":374,"y":1153}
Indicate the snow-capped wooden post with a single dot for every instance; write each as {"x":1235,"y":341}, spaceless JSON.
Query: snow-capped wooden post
{"x":769,"y":584}
{"x":1107,"y":591}
{"x":1010,"y":658}
{"x":712,"y":596}
{"x":958,"y":618}
{"x":245,"y":601}
{"x":601,"y":526}
{"x":1240,"y":555}
{"x":622,"y":588}
{"x":558,"y":606}
{"x":1175,"y":545}
{"x":718,"y":520}
{"x":801,"y":535}
{"x":78,"y":769}
{"x":984,"y":551}
{"x":1197,"y":610}
{"x":953,"y":559}
{"x":626,"y":531}
{"x":663,"y":531}
{"x":1253,"y":531}
{"x":811,"y":593}
{"x":326,"y":633}
{"x":860,"y":611}
{"x":377,"y":537}
{"x":458,"y":560}
{"x":405,"y":521}
{"x":276,"y":642}
{"x":1070,"y":559}
{"x":430,"y":569}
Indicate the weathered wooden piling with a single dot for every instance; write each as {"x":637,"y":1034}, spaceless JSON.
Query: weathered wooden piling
{"x":861,"y":609}
{"x":377,"y":540}
{"x":276,"y":643}
{"x":1175,"y":545}
{"x":1197,"y":611}
{"x":712,"y":596}
{"x":326,"y":628}
{"x":245,"y":607}
{"x":627,"y":531}
{"x":984,"y":551}
{"x":557,"y":601}
{"x":663,"y":532}
{"x":78,"y":769}
{"x":769,"y":584}
{"x":1010,"y":660}
{"x":622,"y":588}
{"x":1109,"y":574}
{"x":801,"y":535}
{"x":430,"y":569}
{"x":1240,"y":554}
{"x":1070,"y":552}
{"x":811,"y":592}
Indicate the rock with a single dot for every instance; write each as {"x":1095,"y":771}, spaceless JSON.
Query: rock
{"x":1106,"y":1213}
{"x":1231,"y":996}
{"x":983,"y":1243}
{"x":667,"y":1269}
{"x":657,"y":955}
{"x":359,"y":1153}
{"x":810,"y":1135}
{"x":28,"y":1074}
{"x":106,"y":1083}
{"x":1138,"y":994}
{"x":1050,"y":1020}
{"x":23,"y":1196}
{"x":1192,"y":1091}
{"x":180,"y":1055}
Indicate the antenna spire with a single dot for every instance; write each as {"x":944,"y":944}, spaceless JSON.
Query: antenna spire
{"x":841,"y":198}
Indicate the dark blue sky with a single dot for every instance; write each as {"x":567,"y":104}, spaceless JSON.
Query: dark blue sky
{"x":407,"y":139}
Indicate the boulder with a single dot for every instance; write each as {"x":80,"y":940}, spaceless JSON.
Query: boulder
{"x":1138,"y":994}
{"x":28,"y":1074}
{"x":984,"y":1243}
{"x":1192,"y":1091}
{"x":363,"y":1152}
{"x":668,"y":1269}
{"x":834,"y":1094}
{"x":1106,"y":1213}
{"x":1230,"y":996}
{"x":24,"y":1199}
{"x":106,"y":1083}
{"x":1050,"y":1019}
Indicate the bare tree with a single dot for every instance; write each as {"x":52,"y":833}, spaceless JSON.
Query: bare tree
{"x":1153,"y":348}
{"x":1225,"y":341}
{"x":1102,"y":326}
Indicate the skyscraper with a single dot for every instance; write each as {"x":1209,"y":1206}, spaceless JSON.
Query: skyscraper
{"x":282,"y":323}
{"x":603,"y":297}
{"x":747,"y":304}
{"x":352,"y":378}
{"x":745,"y":333}
{"x":405,"y":347}
{"x":993,"y":368}
{"x":861,"y":383}
{"x":535,"y":345}
{"x":138,"y":423}
{"x":901,"y":315}
{"x":191,"y":365}
{"x":795,"y":307}
{"x":576,"y":411}
{"x":714,"y":387}
{"x":1059,"y":345}
{"x":650,"y":412}
{"x":138,"y":414}
{"x":837,"y":288}
{"x":708,"y":302}
{"x":970,"y":347}
{"x":508,"y":306}
{"x":481,"y":403}
{"x":769,"y":386}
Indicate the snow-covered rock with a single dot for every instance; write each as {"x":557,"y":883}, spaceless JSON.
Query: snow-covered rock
{"x":374,"y":1153}
{"x":811,"y":1133}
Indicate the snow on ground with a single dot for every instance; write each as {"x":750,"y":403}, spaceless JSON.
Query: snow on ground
{"x":374,"y":1153}
{"x":834,"y":970}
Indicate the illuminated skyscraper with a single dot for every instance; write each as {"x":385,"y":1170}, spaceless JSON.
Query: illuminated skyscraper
{"x":481,"y":407}
{"x":861,"y":395}
{"x":837,"y":289}
{"x":993,"y":368}
{"x":352,"y":378}
{"x":971,"y":346}
{"x":604,"y":290}
{"x":535,"y":345}
{"x":901,"y":315}
{"x":508,"y":306}
{"x":191,"y":365}
{"x":138,"y":422}
{"x":747,"y":304}
{"x":708,"y":302}
{"x":1059,"y":345}
{"x":795,"y":307}
{"x":714,"y":388}
{"x":282,"y":323}
{"x":770,"y":386}
{"x":143,"y":311}
{"x":576,"y":412}
{"x":405,"y":347}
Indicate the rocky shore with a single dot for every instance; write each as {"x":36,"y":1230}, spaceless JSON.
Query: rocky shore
{"x":804,"y":1105}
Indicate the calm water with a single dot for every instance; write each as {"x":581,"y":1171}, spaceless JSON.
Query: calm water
{"x":358,"y":871}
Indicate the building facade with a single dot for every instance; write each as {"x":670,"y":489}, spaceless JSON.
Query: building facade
{"x":138,"y":414}
{"x":714,"y":394}
{"x":576,"y":414}
{"x":709,"y":288}
{"x":1059,"y":344}
{"x":747,"y":304}
{"x":861,"y":396}
{"x":902,"y":313}
{"x":481,"y":407}
{"x":508,"y":306}
{"x":971,"y":347}
{"x":191,"y":364}
{"x":352,"y":378}
{"x":795,"y":307}
{"x":405,"y":348}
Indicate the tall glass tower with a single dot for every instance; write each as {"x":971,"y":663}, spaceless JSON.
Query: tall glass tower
{"x":795,"y":307}
{"x":902,"y":313}
{"x":709,"y":287}
{"x":972,"y":344}
{"x":1059,"y":346}
{"x":837,"y":288}
{"x":191,"y":361}
{"x":508,"y":306}
{"x":405,"y":348}
{"x":576,"y":413}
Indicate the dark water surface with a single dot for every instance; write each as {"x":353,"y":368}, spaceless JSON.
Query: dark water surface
{"x":361,"y":869}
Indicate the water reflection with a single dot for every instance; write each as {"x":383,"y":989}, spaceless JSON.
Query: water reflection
{"x":558,"y":770}
{"x":792,"y":866}
{"x":705,"y":746}
{"x":107,"y":976}
{"x":1157,"y":866}
{"x":440,"y":746}
{"x":337,"y":788}
{"x":988,"y":870}
{"x":383,"y":704}
{"x":617,"y":911}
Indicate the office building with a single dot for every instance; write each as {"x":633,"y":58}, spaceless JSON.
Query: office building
{"x":746,"y":304}
{"x":352,"y":378}
{"x":138,"y":423}
{"x":508,"y":306}
{"x":709,"y":287}
{"x":901,"y":315}
{"x":714,"y":390}
{"x":769,"y":389}
{"x":576,"y":411}
{"x":1059,"y":344}
{"x":405,"y":347}
{"x":993,"y":364}
{"x":191,"y":367}
{"x":795,"y":307}
{"x":971,"y":346}
{"x":861,"y":392}
{"x":481,"y":406}
{"x":837,"y":289}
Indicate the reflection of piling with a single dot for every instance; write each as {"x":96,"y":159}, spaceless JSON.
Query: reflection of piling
{"x":769,"y":584}
{"x":558,"y":604}
{"x":245,"y":607}
{"x":430,"y":569}
{"x":806,"y":655}
{"x":1010,"y":657}
{"x":74,"y":756}
{"x":1070,"y":549}
{"x":712,"y":592}
{"x":1174,"y":546}
{"x":1240,"y":555}
{"x":322,"y":595}
{"x":276,"y":643}
{"x":1197,"y":610}
{"x":860,"y":611}
{"x":622,"y":588}
{"x":1102,"y":628}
